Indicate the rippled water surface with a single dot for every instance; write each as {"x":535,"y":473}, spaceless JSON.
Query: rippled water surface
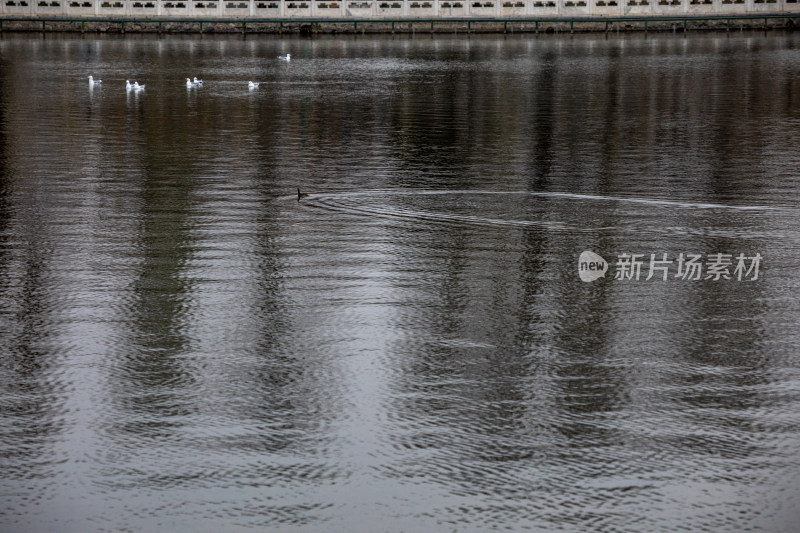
{"x":185,"y":346}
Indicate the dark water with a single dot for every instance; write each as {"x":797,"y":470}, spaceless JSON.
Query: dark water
{"x":186,"y":347}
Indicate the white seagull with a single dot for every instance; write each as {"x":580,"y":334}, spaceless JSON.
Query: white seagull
{"x":128,"y":85}
{"x":93,"y":81}
{"x":197,"y":82}
{"x":287,"y":57}
{"x":137,"y":87}
{"x":252,"y":85}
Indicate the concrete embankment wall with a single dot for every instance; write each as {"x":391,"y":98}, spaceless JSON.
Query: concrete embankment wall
{"x":400,"y":15}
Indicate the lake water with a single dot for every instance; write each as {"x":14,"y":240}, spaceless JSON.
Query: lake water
{"x":185,"y":346}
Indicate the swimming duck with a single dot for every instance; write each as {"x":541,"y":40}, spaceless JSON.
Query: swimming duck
{"x":301,"y":194}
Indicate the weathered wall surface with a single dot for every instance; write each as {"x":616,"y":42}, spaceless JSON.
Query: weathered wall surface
{"x":390,"y":9}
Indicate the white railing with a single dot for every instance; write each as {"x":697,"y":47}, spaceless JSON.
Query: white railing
{"x":383,"y":9}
